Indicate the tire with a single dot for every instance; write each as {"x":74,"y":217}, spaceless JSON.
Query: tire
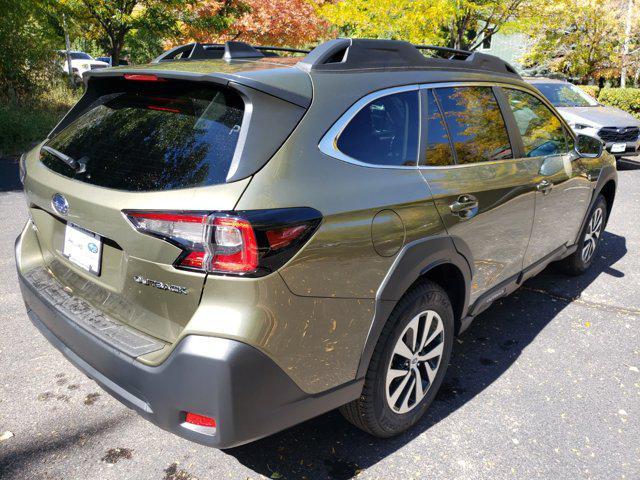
{"x":375,"y":411}
{"x":580,"y":260}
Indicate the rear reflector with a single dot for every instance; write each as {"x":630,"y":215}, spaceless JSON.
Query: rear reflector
{"x":143,"y":77}
{"x":200,"y":420}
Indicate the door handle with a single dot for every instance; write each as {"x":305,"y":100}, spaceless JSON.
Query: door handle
{"x":544,"y":186}
{"x":466,"y":206}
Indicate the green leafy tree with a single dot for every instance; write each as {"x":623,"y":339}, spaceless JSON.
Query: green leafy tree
{"x":417,"y":21}
{"x":578,"y":38}
{"x":113,"y":22}
{"x":470,"y":22}
{"x":455,"y":23}
{"x":26,"y":55}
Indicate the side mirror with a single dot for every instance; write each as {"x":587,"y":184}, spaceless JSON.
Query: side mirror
{"x":589,"y":147}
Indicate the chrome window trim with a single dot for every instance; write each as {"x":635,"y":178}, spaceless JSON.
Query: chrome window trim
{"x":329,"y":142}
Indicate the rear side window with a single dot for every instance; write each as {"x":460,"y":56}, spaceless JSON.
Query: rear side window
{"x":475,"y":124}
{"x":438,"y":149}
{"x":384,"y":132}
{"x":150,"y":142}
{"x":541,"y":130}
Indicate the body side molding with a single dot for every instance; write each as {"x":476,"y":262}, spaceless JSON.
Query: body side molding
{"x":414,"y":260}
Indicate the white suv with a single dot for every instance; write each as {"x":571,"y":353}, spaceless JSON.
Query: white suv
{"x":80,"y":63}
{"x":618,"y":130}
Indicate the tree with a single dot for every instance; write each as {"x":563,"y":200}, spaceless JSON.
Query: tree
{"x":578,"y":38}
{"x":277,"y":22}
{"x":416,"y":21}
{"x":470,"y":22}
{"x":26,"y":55}
{"x":111,"y":20}
{"x":454,"y":23}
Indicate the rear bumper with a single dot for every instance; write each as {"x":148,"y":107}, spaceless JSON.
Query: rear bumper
{"x":244,"y":390}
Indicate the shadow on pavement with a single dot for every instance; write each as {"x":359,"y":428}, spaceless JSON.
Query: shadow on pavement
{"x":329,"y":447}
{"x":13,"y":460}
{"x":9,"y":177}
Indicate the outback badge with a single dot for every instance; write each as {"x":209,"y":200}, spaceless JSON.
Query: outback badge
{"x":160,"y":285}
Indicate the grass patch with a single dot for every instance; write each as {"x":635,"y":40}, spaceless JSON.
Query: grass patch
{"x":25,"y":121}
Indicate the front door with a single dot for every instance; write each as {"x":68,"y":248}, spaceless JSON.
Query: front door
{"x":563,"y":189}
{"x":484,"y":196}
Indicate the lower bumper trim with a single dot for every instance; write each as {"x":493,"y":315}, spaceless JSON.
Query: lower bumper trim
{"x":244,"y":390}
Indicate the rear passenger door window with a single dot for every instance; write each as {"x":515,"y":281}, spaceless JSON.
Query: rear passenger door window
{"x":541,"y":130}
{"x":475,"y":124}
{"x":384,"y":132}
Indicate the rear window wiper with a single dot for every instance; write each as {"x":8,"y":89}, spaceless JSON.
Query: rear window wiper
{"x":72,"y":162}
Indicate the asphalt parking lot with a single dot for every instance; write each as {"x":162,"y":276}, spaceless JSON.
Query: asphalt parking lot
{"x":545,"y":384}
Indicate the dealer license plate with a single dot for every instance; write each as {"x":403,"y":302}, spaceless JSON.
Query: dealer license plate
{"x":83,"y":248}
{"x":618,"y":147}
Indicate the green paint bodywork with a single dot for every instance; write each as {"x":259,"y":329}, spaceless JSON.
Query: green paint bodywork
{"x":313,"y":316}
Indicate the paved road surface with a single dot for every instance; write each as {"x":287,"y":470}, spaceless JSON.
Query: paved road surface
{"x":545,"y":384}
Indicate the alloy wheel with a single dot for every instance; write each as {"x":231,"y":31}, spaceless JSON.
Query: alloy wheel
{"x":415,"y":361}
{"x":594,"y":230}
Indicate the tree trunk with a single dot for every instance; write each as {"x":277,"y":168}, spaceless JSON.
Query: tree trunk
{"x":625,"y":46}
{"x":117,"y":42}
{"x":115,"y":55}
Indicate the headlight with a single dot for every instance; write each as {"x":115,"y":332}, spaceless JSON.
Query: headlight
{"x":580,"y":126}
{"x":22,"y":167}
{"x":86,"y":66}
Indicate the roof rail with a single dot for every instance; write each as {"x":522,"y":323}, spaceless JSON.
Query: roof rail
{"x":348,"y":54}
{"x":228,"y":51}
{"x":454,"y":52}
{"x":365,"y":54}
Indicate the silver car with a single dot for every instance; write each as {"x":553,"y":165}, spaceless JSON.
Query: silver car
{"x":618,"y":129}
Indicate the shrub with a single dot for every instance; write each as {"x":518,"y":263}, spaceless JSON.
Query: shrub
{"x":592,"y":90}
{"x":27,"y":53}
{"x":25,"y":120}
{"x":628,"y":99}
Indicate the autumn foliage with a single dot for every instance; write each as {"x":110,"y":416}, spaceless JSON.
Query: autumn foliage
{"x":274,"y":22}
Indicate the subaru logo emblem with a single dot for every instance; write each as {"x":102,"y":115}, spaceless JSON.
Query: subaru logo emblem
{"x":60,"y":204}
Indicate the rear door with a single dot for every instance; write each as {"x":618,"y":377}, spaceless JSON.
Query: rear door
{"x":484,"y":195}
{"x":563,"y":189}
{"x":167,"y":149}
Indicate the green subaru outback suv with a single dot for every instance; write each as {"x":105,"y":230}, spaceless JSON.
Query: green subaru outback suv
{"x":231,"y":242}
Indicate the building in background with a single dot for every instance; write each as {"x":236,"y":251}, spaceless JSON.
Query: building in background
{"x":510,"y":47}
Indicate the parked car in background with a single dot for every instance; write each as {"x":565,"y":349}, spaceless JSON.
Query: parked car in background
{"x":81,"y":62}
{"x":231,"y":246}
{"x":618,"y":129}
{"x":110,"y":63}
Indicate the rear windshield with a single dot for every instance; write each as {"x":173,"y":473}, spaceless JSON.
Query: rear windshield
{"x":152,"y":141}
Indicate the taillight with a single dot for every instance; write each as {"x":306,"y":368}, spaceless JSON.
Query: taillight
{"x":236,"y":247}
{"x":251,"y":243}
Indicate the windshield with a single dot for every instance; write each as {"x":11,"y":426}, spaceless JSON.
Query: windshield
{"x":164,"y":140}
{"x":566,"y":95}
{"x":80,"y":56}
